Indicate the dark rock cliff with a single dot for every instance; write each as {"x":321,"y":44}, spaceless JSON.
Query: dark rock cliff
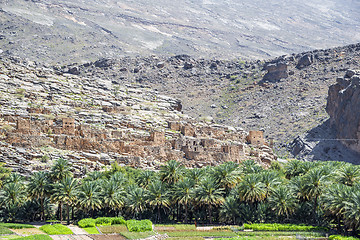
{"x":343,"y":108}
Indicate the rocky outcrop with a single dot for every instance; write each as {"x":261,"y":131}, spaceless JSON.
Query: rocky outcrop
{"x":276,"y":71}
{"x":343,"y":108}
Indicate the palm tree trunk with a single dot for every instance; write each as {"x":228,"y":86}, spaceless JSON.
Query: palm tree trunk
{"x":42,"y":209}
{"x":210,"y":217}
{"x":159,"y":218}
{"x":68,"y":213}
{"x":186,"y":213}
{"x":60,"y":209}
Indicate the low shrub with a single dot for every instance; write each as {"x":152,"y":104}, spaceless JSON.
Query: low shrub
{"x":36,"y":237}
{"x":139,"y":226}
{"x":86,"y":222}
{"x":339,"y":237}
{"x":118,"y":220}
{"x":103,"y":221}
{"x":16,"y":225}
{"x":56,"y":229}
{"x":282,"y":227}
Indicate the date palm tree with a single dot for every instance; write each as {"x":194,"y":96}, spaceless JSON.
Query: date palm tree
{"x":60,"y":170}
{"x":158,"y":197}
{"x":348,"y":175}
{"x":183,"y":194}
{"x":89,"y":196}
{"x":38,"y":189}
{"x":171,"y":172}
{"x":136,"y":200}
{"x":271,"y":180}
{"x":195,"y":174}
{"x":230,"y":209}
{"x":209,"y":194}
{"x":251,"y":189}
{"x":282,"y":201}
{"x":315,"y":181}
{"x":65,"y":191}
{"x":334,"y":200}
{"x":145,"y":178}
{"x":12,"y":196}
{"x":4,"y":173}
{"x":226,"y":175}
{"x":112,"y":195}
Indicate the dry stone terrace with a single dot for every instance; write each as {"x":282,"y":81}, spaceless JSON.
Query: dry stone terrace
{"x":95,"y":122}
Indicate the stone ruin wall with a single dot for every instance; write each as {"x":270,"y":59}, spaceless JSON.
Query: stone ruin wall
{"x":195,"y":146}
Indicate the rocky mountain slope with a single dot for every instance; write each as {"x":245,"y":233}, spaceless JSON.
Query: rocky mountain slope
{"x":286,"y":100}
{"x":78,"y":31}
{"x":93,"y":121}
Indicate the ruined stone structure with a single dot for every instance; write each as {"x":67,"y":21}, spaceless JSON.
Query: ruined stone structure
{"x":256,"y":138}
{"x":207,"y":148}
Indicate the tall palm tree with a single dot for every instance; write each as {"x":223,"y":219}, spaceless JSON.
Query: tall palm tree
{"x":183,"y":194}
{"x":334,"y":200}
{"x":315,"y":181}
{"x":14,"y":178}
{"x":230,"y":209}
{"x":251,"y":189}
{"x":158,"y":197}
{"x":250,"y":166}
{"x":271,"y":180}
{"x":89,"y":196}
{"x":171,"y":172}
{"x":209,"y":194}
{"x":4,"y":173}
{"x":282,"y":201}
{"x":352,"y":211}
{"x":136,"y":199}
{"x":38,"y":189}
{"x":348,"y":175}
{"x":93,"y":176}
{"x":12,"y":196}
{"x":145,"y":178}
{"x":226,"y":175}
{"x":112,"y":194}
{"x":195,"y":174}
{"x":60,"y":170}
{"x":65,"y":191}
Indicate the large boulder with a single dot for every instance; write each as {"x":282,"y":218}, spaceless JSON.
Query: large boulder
{"x":343,"y":108}
{"x":305,"y":61}
{"x":276,"y":71}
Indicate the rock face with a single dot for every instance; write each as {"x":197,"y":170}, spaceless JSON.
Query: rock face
{"x":276,"y":71}
{"x":343,"y":107}
{"x":94,"y":122}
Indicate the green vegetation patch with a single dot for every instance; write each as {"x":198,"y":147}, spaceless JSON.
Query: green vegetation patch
{"x":118,"y":220}
{"x":339,"y":237}
{"x":86,"y":223}
{"x":4,"y":230}
{"x":199,"y":233}
{"x":282,"y":227}
{"x":113,"y":229}
{"x":103,"y":221}
{"x":91,"y":230}
{"x":16,"y":225}
{"x":137,"y":235}
{"x":36,"y":237}
{"x":56,"y":229}
{"x":139,"y":226}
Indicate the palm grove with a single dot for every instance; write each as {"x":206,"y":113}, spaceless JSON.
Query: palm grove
{"x":317,"y":193}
